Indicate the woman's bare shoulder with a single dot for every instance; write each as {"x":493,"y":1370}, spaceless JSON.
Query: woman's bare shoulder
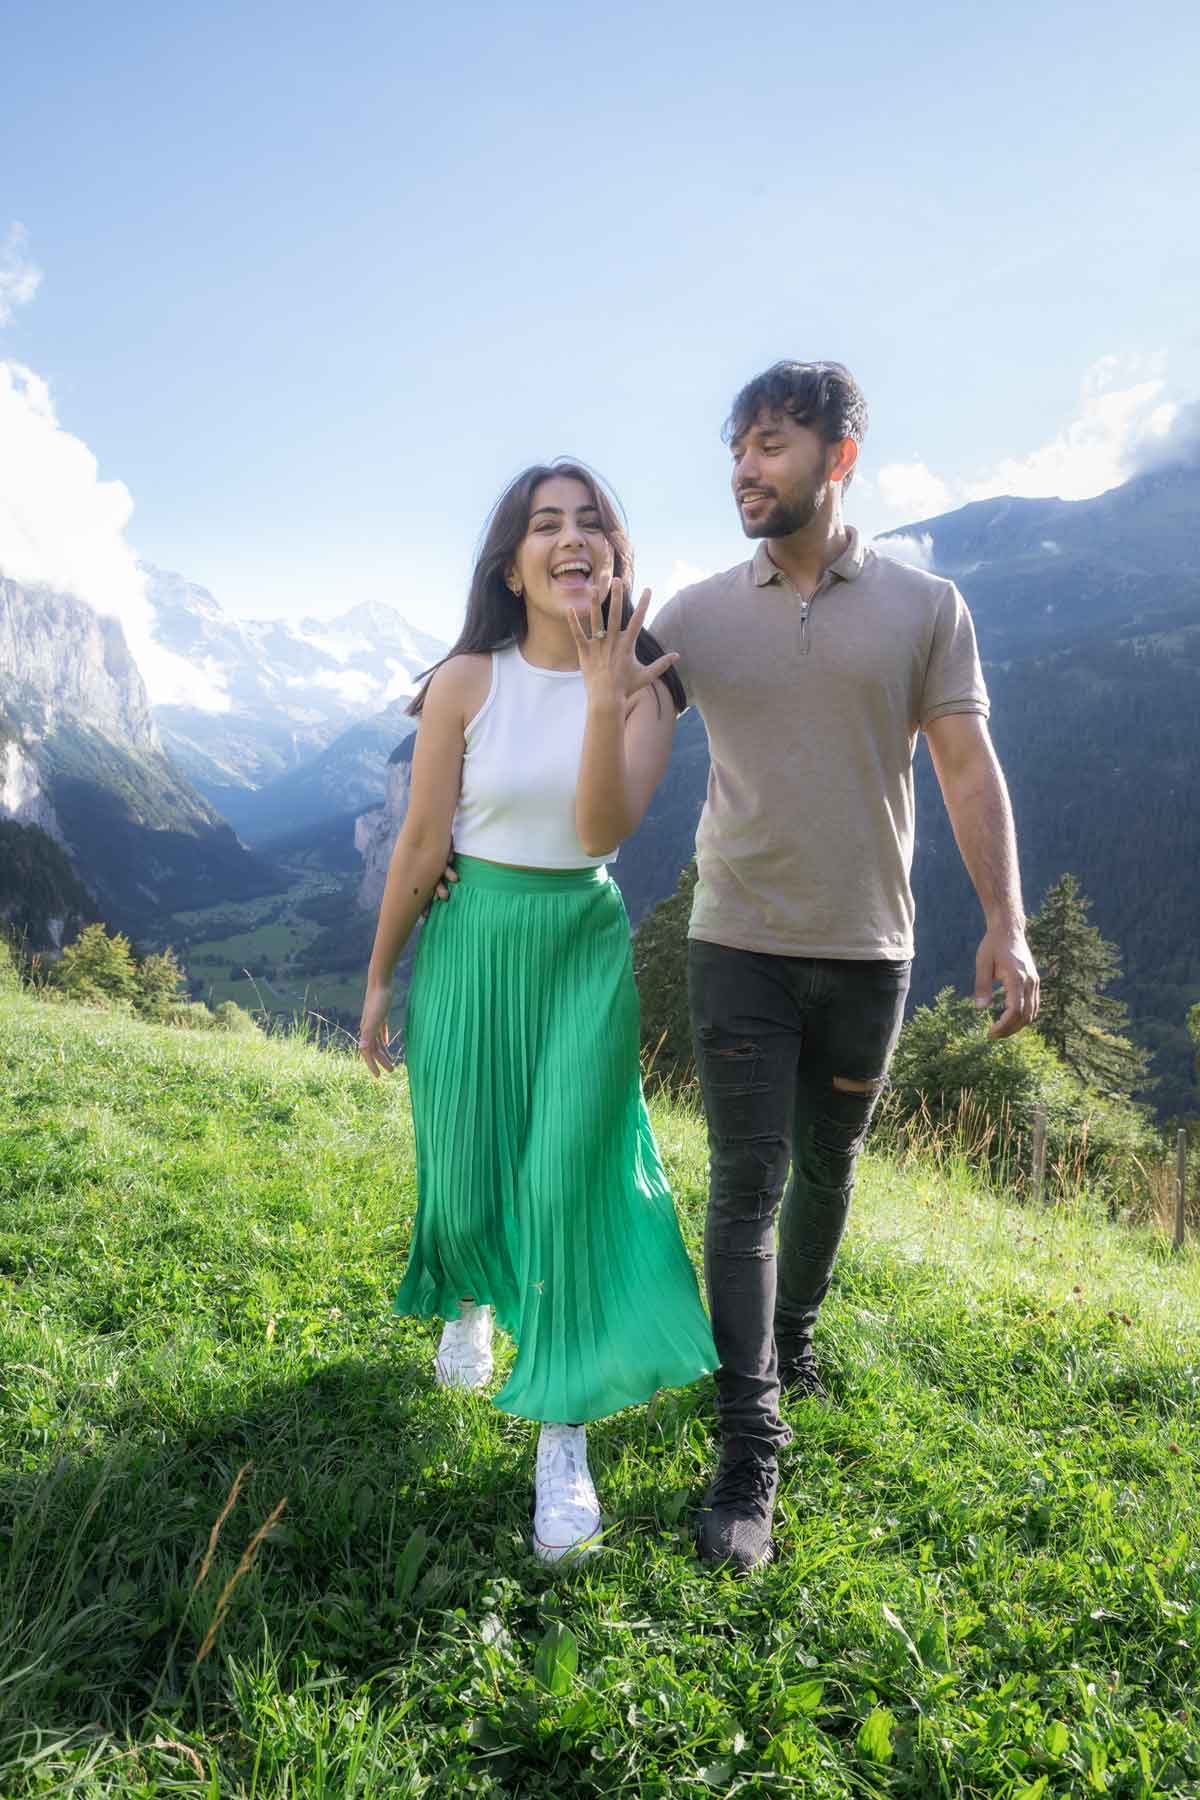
{"x":460,"y":684}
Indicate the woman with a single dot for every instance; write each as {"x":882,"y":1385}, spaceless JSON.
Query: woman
{"x":541,"y":1197}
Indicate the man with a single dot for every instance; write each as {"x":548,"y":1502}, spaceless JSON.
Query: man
{"x":813,"y":666}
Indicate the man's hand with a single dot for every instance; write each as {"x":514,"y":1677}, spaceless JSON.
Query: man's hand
{"x":442,"y":890}
{"x":1004,"y":957}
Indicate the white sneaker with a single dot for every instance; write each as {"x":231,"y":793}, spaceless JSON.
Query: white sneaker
{"x":464,"y":1356}
{"x":566,"y":1514}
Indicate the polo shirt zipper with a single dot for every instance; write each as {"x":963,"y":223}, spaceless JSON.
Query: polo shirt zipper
{"x":805,"y":609}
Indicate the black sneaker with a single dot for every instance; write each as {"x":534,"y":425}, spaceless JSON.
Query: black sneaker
{"x":798,"y":1378}
{"x":735,"y":1520}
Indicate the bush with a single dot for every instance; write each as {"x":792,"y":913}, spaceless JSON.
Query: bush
{"x":10,"y":980}
{"x":98,"y":970}
{"x":229,"y":1016}
{"x":950,"y":1082}
{"x":192,"y":1015}
{"x":660,"y":965}
{"x":160,"y":985}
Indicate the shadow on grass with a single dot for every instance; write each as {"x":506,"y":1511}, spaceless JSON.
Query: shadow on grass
{"x":402,"y":1503}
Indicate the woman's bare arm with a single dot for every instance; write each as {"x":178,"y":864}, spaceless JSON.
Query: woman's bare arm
{"x":625,"y":756}
{"x":627,"y":741}
{"x":419,"y":857}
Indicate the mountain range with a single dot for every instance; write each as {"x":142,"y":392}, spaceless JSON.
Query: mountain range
{"x":273,"y":698}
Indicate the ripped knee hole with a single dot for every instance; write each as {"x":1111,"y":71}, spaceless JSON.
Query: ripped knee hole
{"x":843,"y":1084}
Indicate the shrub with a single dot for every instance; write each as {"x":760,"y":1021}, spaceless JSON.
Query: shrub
{"x":160,"y":985}
{"x":949,"y":1081}
{"x":660,"y":964}
{"x":97,"y":969}
{"x":193,"y":1015}
{"x":229,"y":1016}
{"x":10,"y":980}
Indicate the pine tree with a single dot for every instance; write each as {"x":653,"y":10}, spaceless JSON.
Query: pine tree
{"x":1078,"y":1019}
{"x":660,"y":963}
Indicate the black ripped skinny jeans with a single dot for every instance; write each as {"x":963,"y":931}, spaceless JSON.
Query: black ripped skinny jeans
{"x":777,"y":1038}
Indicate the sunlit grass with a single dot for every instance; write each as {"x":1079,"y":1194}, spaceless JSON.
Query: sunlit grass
{"x":988,"y":1575}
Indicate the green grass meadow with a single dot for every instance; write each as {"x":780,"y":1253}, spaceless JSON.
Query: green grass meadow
{"x":988,"y":1579}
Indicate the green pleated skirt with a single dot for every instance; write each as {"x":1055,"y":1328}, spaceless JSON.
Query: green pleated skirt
{"x":540,"y":1188}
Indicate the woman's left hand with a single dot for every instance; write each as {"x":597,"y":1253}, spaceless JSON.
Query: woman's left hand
{"x":607,"y":658}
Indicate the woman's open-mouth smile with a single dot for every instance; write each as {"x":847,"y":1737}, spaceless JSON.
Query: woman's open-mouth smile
{"x":572,"y":574}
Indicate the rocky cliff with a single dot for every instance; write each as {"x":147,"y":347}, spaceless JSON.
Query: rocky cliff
{"x":60,"y":659}
{"x":375,"y":831}
{"x":80,"y":757}
{"x":22,"y":797}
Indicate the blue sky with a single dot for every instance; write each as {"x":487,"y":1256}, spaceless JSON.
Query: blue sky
{"x":315,"y":280}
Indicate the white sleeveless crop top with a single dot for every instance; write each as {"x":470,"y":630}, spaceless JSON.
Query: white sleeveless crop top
{"x":517,"y":802}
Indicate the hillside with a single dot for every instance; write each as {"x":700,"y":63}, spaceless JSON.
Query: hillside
{"x":987,"y":1578}
{"x":42,"y":901}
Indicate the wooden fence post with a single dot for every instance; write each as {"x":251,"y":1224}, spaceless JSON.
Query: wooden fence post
{"x":1180,"y":1191}
{"x":1039,"y":1154}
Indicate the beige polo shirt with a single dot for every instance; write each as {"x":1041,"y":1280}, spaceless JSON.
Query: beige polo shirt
{"x":812,"y":711}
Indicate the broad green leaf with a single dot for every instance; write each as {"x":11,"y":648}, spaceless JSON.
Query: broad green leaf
{"x":557,"y":1659}
{"x":717,"y":1774}
{"x":875,"y":1738}
{"x":806,"y":1696}
{"x":1057,"y":1738}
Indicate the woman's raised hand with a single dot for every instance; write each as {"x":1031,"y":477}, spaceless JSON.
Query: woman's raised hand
{"x":607,"y":658}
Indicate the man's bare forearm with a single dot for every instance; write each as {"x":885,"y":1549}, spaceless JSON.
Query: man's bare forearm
{"x":981,"y":815}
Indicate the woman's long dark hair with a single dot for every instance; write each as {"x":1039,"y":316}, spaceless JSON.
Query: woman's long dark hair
{"x":495,"y":616}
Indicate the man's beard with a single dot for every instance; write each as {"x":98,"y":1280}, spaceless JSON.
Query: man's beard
{"x":787,"y":516}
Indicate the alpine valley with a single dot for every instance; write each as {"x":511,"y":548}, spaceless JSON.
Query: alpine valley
{"x":251,"y":826}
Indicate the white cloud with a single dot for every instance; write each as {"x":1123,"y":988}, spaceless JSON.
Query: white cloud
{"x":1175,"y":440}
{"x":401,"y":683}
{"x":19,"y":277}
{"x":913,"y":491}
{"x":1125,"y":421}
{"x":906,"y":547}
{"x":353,"y":686}
{"x":61,"y":526}
{"x":1097,"y":450}
{"x":684,"y":574}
